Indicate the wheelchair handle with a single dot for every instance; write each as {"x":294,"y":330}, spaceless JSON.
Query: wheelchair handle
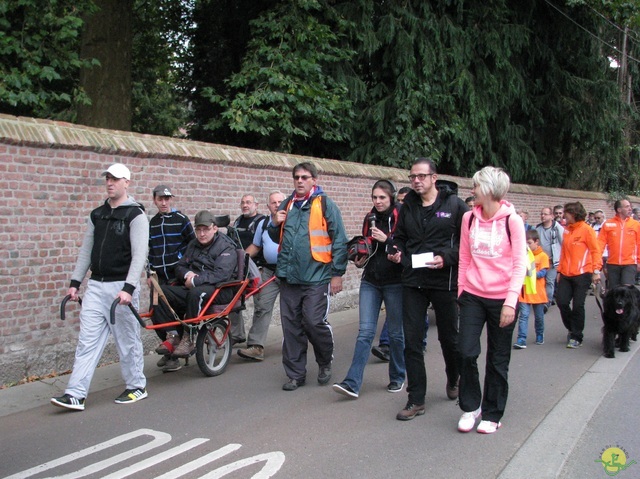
{"x":112,"y":312}
{"x":64,"y":303}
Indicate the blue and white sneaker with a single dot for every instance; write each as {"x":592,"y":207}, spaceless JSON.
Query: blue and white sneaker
{"x":520,"y":344}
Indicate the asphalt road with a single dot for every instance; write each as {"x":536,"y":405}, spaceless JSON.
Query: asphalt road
{"x":243,"y":424}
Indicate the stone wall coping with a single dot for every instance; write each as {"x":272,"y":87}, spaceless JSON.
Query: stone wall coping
{"x":26,"y":131}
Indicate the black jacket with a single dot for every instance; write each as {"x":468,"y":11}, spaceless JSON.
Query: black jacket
{"x":379,"y":270}
{"x":214,"y":263}
{"x":438,"y":232}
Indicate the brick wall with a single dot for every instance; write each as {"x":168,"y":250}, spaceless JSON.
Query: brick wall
{"x":51,"y":181}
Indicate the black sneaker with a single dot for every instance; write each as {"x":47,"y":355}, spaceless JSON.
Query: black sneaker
{"x":293,"y":384}
{"x":172,"y":365}
{"x":130,"y":396}
{"x":324,"y":375}
{"x":395,"y":387}
{"x":381,"y":352}
{"x":69,"y":402}
{"x":345,"y":390}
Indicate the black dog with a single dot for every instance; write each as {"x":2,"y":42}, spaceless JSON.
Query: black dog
{"x":621,"y":317}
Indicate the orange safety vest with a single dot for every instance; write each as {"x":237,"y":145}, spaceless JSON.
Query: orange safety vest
{"x":319,"y":238}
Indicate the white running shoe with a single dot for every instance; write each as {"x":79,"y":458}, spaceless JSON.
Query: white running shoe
{"x":468,"y":420}
{"x":488,"y":427}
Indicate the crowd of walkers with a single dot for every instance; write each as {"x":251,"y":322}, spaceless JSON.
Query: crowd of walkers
{"x":470,"y":264}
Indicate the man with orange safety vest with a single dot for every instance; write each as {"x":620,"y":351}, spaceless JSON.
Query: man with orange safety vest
{"x":621,"y":234}
{"x":311,"y":263}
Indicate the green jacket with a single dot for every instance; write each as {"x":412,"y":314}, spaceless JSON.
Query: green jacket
{"x":295,"y":263}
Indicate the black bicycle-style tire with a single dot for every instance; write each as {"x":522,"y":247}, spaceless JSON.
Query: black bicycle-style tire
{"x":213,"y":359}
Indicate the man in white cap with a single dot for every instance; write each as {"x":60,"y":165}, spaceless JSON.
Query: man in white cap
{"x":115,"y":249}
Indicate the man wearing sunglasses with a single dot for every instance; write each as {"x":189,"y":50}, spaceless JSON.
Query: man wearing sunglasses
{"x":311,"y":262}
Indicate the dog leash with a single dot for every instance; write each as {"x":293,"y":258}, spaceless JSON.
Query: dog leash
{"x":596,"y":293}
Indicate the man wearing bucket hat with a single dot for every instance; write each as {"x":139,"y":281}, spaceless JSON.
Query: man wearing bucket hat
{"x":115,"y":249}
{"x":209,"y":260}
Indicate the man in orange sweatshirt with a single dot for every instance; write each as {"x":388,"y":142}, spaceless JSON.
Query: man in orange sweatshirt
{"x":621,"y":234}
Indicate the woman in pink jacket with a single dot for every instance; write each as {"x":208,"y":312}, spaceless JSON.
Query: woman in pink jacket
{"x":493,"y":257}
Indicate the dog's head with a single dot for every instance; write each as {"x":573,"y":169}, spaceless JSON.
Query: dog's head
{"x":619,"y":299}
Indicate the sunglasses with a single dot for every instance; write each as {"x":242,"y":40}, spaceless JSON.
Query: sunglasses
{"x":302,"y":177}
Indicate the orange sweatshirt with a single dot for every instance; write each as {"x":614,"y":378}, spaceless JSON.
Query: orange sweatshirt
{"x":580,"y":250}
{"x":622,"y":238}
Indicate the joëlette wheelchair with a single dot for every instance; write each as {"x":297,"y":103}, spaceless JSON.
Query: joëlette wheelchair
{"x":211,"y":327}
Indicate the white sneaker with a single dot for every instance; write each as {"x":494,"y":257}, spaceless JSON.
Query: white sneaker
{"x":468,"y":420}
{"x":488,"y":427}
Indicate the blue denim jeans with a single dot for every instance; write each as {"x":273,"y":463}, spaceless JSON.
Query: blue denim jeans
{"x":371,"y":297}
{"x":523,"y":320}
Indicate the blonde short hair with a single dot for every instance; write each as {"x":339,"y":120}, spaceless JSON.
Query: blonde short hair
{"x":492,"y":181}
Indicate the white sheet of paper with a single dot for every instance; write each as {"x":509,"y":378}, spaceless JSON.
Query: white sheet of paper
{"x":419,"y":260}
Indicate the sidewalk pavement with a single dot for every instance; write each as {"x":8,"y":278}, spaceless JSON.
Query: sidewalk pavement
{"x":544,"y":454}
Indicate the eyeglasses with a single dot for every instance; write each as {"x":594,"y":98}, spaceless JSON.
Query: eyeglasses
{"x":302,"y":177}
{"x":420,"y":176}
{"x":203,"y":229}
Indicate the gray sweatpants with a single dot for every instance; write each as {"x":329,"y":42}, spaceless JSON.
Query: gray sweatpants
{"x":95,"y":327}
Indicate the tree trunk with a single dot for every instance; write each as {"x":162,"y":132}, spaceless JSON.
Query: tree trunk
{"x":108,"y":37}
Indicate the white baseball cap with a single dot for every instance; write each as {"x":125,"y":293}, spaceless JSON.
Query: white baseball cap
{"x":118,"y":170}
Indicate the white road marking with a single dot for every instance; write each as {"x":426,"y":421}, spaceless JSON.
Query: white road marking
{"x":158,"y":458}
{"x":198,"y":463}
{"x":273,"y":460}
{"x":160,"y":438}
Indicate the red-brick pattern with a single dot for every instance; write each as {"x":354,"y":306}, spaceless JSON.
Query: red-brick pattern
{"x":51,"y":181}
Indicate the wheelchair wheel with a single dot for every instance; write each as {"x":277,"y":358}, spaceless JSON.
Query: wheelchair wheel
{"x":212,"y":352}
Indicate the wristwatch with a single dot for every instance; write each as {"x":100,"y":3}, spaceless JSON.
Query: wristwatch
{"x":596,"y":271}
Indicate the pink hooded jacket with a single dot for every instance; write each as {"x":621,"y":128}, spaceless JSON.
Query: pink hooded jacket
{"x":492,"y":266}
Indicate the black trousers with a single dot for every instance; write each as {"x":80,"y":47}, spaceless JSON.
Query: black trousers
{"x":415,"y":302}
{"x":573,"y":288}
{"x":187,"y":303}
{"x":475,"y":312}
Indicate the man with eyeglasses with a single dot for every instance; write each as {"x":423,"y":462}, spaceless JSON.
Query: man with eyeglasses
{"x":245,"y":227}
{"x":558,"y":214}
{"x":428,"y":241}
{"x":311,"y":262}
{"x":550,"y":232}
{"x":209,"y":260}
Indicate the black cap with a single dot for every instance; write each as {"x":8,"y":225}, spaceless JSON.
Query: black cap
{"x":162,"y":190}
{"x":204,"y":218}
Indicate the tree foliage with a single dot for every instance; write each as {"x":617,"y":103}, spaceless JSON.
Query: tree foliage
{"x":39,"y":57}
{"x":528,"y":86}
{"x":160,"y":76}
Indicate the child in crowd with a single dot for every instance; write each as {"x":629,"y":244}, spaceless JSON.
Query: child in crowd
{"x":537,"y":300}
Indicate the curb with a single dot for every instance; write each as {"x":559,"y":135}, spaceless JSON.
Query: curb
{"x":545,"y":452}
